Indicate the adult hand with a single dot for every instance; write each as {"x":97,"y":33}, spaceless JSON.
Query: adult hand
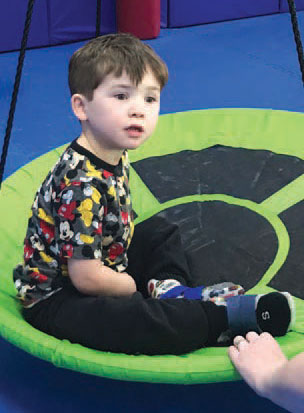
{"x":257,"y":358}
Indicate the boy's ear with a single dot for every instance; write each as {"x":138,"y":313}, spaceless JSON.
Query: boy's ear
{"x":78,"y":103}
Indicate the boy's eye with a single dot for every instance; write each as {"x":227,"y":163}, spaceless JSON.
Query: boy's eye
{"x":150,"y":99}
{"x":121,"y":96}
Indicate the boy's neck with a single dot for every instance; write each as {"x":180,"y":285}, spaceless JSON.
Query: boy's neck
{"x":109,"y":156}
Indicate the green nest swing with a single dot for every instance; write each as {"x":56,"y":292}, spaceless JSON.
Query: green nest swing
{"x":232,"y":141}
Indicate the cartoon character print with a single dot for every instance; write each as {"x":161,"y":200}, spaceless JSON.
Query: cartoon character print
{"x":38,"y":277}
{"x":36,"y":242}
{"x":112,"y":193}
{"x":97,"y":254}
{"x":68,"y":196}
{"x":66,"y":211}
{"x":48,"y":231}
{"x":52,"y":263}
{"x":76,"y":159}
{"x":67,"y":251}
{"x":92,"y":171}
{"x":97,"y":224}
{"x":86,"y":239}
{"x":124,"y":217}
{"x":115,"y":251}
{"x":98,"y":227}
{"x":85,"y":209}
{"x":126,"y":233}
{"x":67,"y":156}
{"x":112,"y":218}
{"x":48,"y":194}
{"x":59,"y":169}
{"x":107,"y":174}
{"x":23,"y":289}
{"x":121,"y":189}
{"x":45,"y":217}
{"x":55,"y":249}
{"x":28,"y":250}
{"x":107,"y":240}
{"x":65,"y":232}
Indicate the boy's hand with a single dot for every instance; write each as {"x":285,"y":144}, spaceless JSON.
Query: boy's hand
{"x":91,"y":277}
{"x":129,"y":281}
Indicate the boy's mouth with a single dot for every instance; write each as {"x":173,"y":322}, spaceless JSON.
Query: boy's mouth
{"x":135,"y":128}
{"x":135,"y":131}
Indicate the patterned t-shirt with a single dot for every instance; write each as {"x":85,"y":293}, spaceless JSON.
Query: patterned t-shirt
{"x":82,"y":210}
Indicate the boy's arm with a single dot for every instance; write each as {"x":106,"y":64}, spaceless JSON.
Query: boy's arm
{"x":91,"y":277}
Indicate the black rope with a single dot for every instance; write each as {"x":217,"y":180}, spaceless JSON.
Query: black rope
{"x":16,"y":88}
{"x":98,"y":17}
{"x":297,"y":35}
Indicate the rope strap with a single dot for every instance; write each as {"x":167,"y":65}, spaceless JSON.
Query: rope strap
{"x":297,"y":36}
{"x":11,"y":115}
{"x":98,"y":17}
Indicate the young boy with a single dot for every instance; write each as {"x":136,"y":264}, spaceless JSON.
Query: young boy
{"x":77,"y":281}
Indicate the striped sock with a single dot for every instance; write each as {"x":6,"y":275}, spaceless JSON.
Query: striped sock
{"x":156,"y":288}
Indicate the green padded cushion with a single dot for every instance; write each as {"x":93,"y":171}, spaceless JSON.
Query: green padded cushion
{"x":277,"y":131}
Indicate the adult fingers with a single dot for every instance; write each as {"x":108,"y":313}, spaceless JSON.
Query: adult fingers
{"x":233,"y":353}
{"x":252,"y":336}
{"x":237,"y":340}
{"x":267,"y":336}
{"x":240,"y":342}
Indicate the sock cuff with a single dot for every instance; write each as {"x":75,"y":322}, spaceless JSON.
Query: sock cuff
{"x":241,"y":313}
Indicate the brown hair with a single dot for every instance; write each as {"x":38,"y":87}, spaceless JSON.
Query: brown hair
{"x":113,"y":53}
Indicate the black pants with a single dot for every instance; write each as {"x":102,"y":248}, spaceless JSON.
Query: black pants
{"x":136,"y":324}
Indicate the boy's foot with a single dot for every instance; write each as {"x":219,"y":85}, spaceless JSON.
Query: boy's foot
{"x":156,"y":288}
{"x":273,"y":312}
{"x":222,"y":290}
{"x":216,"y":293}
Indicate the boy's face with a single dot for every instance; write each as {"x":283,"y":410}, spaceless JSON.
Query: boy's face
{"x":122,"y":116}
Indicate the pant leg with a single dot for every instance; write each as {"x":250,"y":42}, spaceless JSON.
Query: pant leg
{"x":129,"y":325}
{"x":156,"y":252}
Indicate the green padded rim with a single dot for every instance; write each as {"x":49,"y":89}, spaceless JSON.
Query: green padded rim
{"x":278,"y":131}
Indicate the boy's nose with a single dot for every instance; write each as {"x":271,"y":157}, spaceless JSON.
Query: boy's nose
{"x":136,"y":110}
{"x":137,"y":114}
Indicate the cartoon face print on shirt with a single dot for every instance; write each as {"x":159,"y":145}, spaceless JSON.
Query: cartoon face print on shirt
{"x":65,"y":231}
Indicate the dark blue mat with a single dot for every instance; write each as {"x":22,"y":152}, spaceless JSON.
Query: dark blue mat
{"x":30,"y":385}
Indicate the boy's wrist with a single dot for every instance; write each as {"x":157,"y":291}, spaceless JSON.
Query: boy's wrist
{"x":128,"y":284}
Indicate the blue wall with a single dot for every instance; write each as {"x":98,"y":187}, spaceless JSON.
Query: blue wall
{"x":191,"y":12}
{"x":57,"y":21}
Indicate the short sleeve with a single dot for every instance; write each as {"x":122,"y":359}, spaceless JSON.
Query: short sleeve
{"x":78,"y":219}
